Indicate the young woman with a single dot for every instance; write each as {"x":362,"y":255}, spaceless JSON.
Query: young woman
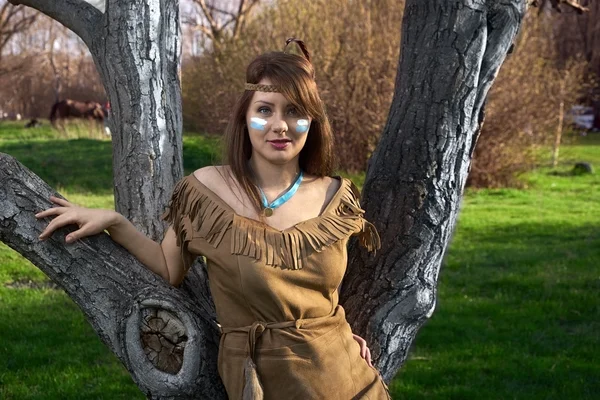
{"x":273,"y":226}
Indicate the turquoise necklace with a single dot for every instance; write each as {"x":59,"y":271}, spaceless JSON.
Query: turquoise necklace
{"x":279,"y":201}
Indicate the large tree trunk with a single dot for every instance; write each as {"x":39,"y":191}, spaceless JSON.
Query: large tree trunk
{"x":146,"y":322}
{"x":139,"y":65}
{"x":451,"y":52}
{"x":450,"y":55}
{"x":136,"y":48}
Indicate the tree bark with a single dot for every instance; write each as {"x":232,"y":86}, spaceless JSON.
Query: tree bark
{"x":450,"y":55}
{"x":145,"y":321}
{"x":451,"y":52}
{"x":139,"y":65}
{"x":136,"y":49}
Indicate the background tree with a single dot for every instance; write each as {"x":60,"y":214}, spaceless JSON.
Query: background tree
{"x":13,"y":20}
{"x":219,"y":19}
{"x":55,"y":64}
{"x":354,"y":55}
{"x":578,"y":35}
{"x":417,"y":174}
{"x":523,"y":111}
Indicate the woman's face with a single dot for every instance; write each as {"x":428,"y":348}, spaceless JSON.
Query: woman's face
{"x":277,"y":130}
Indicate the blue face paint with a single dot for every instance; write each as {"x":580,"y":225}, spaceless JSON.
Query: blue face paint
{"x":302,"y":126}
{"x":258,"y":123}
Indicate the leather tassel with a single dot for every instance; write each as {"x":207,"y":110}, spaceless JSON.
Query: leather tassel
{"x":369,"y":237}
{"x":253,"y":389}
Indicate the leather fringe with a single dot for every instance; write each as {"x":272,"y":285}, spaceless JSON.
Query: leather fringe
{"x":195,"y":214}
{"x":253,"y":389}
{"x":369,"y":237}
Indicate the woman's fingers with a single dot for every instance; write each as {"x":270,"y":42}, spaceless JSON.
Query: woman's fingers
{"x":73,"y":236}
{"x":64,"y":204}
{"x":364,"y":349}
{"x":55,"y":224}
{"x":51,"y":211}
{"x":60,"y":201}
{"x":362,"y":343}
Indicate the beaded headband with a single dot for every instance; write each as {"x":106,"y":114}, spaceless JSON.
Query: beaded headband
{"x":274,"y":88}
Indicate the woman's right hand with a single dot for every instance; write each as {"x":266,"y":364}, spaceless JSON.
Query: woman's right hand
{"x":90,"y":221}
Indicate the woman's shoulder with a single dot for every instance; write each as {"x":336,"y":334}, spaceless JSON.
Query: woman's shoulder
{"x":211,"y":175}
{"x":331,"y":185}
{"x":324,"y":183}
{"x":219,"y":181}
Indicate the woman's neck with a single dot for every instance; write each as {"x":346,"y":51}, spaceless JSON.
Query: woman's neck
{"x":272,"y":176}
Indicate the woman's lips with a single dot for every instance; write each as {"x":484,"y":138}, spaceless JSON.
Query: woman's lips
{"x":279,"y":144}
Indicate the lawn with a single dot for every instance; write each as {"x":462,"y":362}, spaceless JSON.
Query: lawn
{"x":518,"y":310}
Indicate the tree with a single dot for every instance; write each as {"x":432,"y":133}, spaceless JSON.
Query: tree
{"x":216,"y":19}
{"x":451,"y":53}
{"x":578,"y":35}
{"x":13,"y":20}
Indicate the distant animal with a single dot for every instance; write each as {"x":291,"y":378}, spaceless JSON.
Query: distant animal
{"x":33,"y":123}
{"x":67,"y":108}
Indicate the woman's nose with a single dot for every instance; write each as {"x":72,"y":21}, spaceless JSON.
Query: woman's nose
{"x":279,"y":126}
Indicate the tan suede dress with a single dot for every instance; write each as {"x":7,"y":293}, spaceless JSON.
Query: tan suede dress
{"x":284,"y":335}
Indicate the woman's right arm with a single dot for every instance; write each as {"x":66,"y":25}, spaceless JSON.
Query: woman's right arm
{"x":163,"y":259}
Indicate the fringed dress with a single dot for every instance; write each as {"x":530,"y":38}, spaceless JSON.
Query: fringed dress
{"x":284,"y":335}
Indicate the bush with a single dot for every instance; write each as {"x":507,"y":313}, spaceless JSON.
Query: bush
{"x":523,"y":109}
{"x":354,"y":47}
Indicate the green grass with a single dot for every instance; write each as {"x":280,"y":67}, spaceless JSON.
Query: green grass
{"x":518,"y":310}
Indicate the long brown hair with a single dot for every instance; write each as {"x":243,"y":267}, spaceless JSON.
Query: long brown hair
{"x":295,"y":77}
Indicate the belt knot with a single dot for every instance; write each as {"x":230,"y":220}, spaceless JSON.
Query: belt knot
{"x":256,"y":330}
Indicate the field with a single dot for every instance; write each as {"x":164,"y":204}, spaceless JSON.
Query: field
{"x":518,"y":313}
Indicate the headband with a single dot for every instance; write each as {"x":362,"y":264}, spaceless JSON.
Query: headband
{"x":262,"y":88}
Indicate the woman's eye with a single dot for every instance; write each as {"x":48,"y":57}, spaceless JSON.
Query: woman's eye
{"x":264,"y":110}
{"x":292,"y":111}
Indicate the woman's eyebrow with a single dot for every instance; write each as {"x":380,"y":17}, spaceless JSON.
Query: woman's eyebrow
{"x":265,"y":102}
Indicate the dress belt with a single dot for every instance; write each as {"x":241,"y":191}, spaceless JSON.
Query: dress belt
{"x":252,"y":387}
{"x":255,"y":330}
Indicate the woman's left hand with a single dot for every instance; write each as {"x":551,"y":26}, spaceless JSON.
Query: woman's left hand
{"x":364,"y":350}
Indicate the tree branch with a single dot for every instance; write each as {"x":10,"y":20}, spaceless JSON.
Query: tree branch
{"x":243,"y":11}
{"x":214,"y":26}
{"x":119,"y":296}
{"x":10,"y":24}
{"x":416,"y":175}
{"x":574,"y":4}
{"x":212,"y":7}
{"x":77,"y":15}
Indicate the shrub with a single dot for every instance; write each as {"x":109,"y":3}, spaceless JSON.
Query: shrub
{"x":354,"y":46}
{"x":523,"y":109}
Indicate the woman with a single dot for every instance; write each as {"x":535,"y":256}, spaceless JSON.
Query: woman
{"x":273,"y":226}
